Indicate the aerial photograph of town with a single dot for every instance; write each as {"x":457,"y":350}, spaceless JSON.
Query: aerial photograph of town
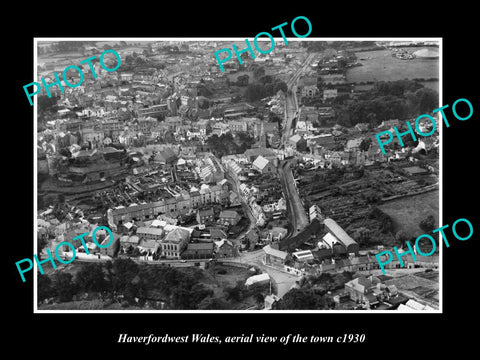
{"x":255,"y":183}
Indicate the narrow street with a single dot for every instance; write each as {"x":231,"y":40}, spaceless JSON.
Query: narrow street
{"x":246,"y":210}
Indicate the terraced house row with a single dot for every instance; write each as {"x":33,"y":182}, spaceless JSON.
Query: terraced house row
{"x":177,"y":204}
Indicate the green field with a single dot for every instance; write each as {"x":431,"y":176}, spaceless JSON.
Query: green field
{"x":407,"y":212}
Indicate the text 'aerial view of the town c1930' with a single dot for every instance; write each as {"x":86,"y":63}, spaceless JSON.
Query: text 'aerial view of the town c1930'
{"x":261,"y":187}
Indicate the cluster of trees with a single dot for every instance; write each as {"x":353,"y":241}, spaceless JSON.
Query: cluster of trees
{"x":125,"y":279}
{"x":427,"y":224}
{"x":47,"y":109}
{"x":204,"y":90}
{"x":262,"y":86}
{"x":227,"y":144}
{"x":312,"y":294}
{"x":329,"y":282}
{"x":391,"y":100}
{"x":395,"y":88}
{"x":240,"y":292}
{"x":267,"y":86}
{"x":304,"y":299}
{"x":135,"y":60}
{"x":315,"y":46}
{"x":129,"y":283}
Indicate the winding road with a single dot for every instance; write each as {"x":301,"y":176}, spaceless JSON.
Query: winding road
{"x":296,"y":212}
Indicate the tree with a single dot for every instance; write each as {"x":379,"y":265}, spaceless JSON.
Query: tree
{"x":46,"y":104}
{"x":44,"y":287}
{"x":280,"y":85}
{"x":190,"y":297}
{"x":140,"y":61}
{"x":63,"y":286}
{"x":122,"y":272}
{"x":242,"y":80}
{"x":427,"y":100}
{"x":212,"y":303}
{"x":258,"y":72}
{"x":254,"y":92}
{"x":181,"y":299}
{"x":386,"y":224}
{"x":428,"y":223}
{"x":402,"y":237}
{"x":129,"y":59}
{"x":236,"y":292}
{"x":266,"y":79}
{"x":91,"y":277}
{"x":304,"y":299}
{"x":268,"y":89}
{"x":365,"y":144}
{"x":42,"y":241}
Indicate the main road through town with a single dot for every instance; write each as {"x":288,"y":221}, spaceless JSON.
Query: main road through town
{"x":291,"y":104}
{"x":297,"y":213}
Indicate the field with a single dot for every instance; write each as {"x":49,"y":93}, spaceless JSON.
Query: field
{"x":381,"y":66}
{"x":407,"y":212}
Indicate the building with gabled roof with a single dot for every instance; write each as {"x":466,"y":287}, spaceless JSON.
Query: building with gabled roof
{"x":275,"y":257}
{"x":263,"y":165}
{"x":174,"y":243}
{"x":202,"y":250}
{"x":351,"y":246}
{"x":358,"y":288}
{"x":230,"y":217}
{"x":298,"y":142}
{"x":150,"y":233}
{"x":224,"y":248}
{"x":258,"y":279}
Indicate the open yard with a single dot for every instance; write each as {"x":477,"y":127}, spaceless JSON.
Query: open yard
{"x":217,"y":277}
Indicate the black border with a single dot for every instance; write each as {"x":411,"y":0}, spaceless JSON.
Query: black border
{"x":455,"y":24}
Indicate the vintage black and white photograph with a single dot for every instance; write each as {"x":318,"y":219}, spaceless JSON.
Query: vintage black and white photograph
{"x":238,"y":175}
